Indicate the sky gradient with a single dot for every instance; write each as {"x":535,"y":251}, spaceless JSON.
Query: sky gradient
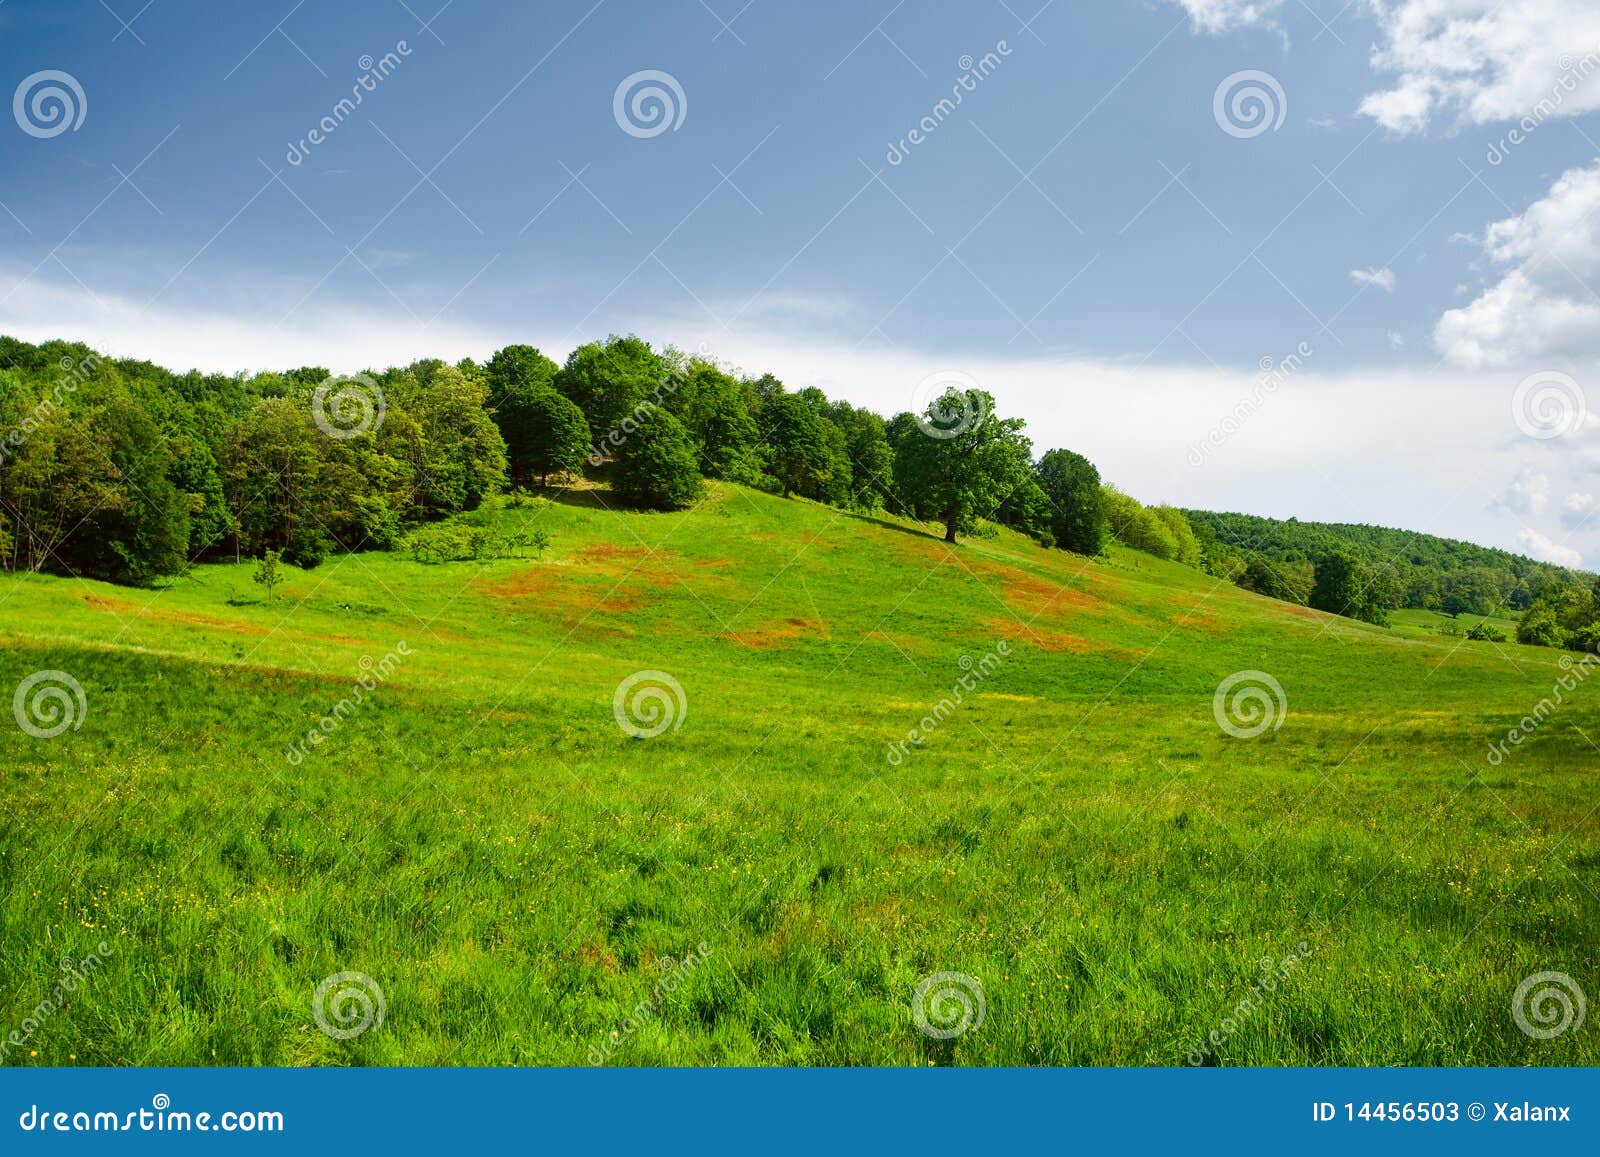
{"x":1097,"y":232}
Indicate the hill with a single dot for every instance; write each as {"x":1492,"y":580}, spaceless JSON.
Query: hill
{"x":870,"y":760}
{"x":1426,"y":568}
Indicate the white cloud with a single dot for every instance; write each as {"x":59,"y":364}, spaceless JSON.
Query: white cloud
{"x":1397,"y":341}
{"x":1541,"y":305}
{"x":1528,"y":494}
{"x":238,"y":335}
{"x":1222,"y":15}
{"x":1476,"y":61}
{"x":1546,"y":549}
{"x":1576,"y":509}
{"x":1484,"y":60}
{"x":1382,"y":278}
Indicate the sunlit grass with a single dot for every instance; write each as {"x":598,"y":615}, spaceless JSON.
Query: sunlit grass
{"x":1079,"y":835}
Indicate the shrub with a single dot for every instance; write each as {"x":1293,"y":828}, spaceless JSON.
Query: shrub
{"x":1585,"y":638}
{"x":1539,"y":627}
{"x":439,"y":544}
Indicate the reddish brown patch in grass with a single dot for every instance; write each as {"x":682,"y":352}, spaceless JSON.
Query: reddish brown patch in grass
{"x":1302,"y":612}
{"x":1034,"y":597}
{"x":153,"y":613}
{"x":1043,"y":639}
{"x":776,"y":634}
{"x":603,"y":576}
{"x":600,"y":956}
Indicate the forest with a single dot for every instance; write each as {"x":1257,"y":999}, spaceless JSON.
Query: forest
{"x":124,"y":471}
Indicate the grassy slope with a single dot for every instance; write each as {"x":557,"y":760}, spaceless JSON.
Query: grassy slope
{"x":483,"y":839}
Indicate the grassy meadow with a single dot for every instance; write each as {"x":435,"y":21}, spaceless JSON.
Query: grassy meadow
{"x":517,"y":873}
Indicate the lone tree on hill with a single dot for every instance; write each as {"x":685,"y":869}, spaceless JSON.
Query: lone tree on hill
{"x":962,"y":460}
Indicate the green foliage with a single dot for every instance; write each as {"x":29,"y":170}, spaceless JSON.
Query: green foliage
{"x":1150,"y":529}
{"x":536,"y":433}
{"x":1289,"y":581}
{"x":1027,"y":508}
{"x":867,"y":454}
{"x":268,"y":572}
{"x":557,"y":439}
{"x":1346,"y":586}
{"x":1539,"y":628}
{"x":1078,"y":508}
{"x":798,"y":453}
{"x":460,"y":542}
{"x":609,"y":380}
{"x":968,"y":471}
{"x":712,"y":406}
{"x":87,"y":489}
{"x":1185,"y":546}
{"x":1484,"y":633}
{"x":656,"y":466}
{"x":445,"y":542}
{"x":438,"y":415}
{"x":1427,"y":572}
{"x":1585,"y":638}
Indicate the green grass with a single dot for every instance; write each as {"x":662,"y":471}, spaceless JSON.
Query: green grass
{"x":1417,"y":624}
{"x":516,"y":873}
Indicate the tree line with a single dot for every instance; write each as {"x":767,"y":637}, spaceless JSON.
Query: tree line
{"x":1366,"y":572}
{"x":124,"y":471}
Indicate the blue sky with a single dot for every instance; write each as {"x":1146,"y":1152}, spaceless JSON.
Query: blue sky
{"x":1082,"y":234}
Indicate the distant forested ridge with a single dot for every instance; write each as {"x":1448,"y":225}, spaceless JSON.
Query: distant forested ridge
{"x":1395,"y":568}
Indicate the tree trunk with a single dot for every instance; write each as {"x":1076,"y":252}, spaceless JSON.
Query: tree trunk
{"x":950,"y":527}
